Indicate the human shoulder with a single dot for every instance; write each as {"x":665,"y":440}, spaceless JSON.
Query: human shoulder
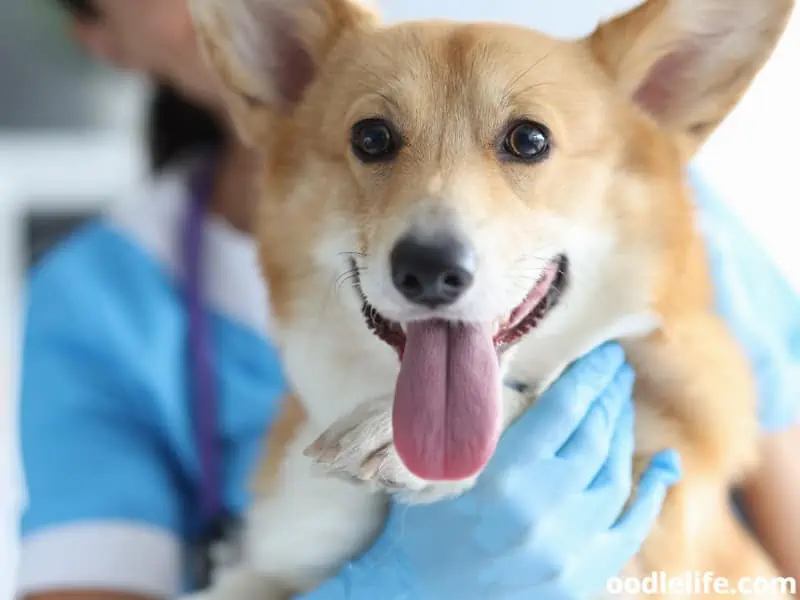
{"x":109,"y":284}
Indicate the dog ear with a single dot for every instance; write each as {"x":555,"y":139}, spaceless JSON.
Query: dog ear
{"x":267,"y":52}
{"x":688,"y":62}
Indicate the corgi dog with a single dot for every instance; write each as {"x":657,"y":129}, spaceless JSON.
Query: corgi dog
{"x":443,"y":205}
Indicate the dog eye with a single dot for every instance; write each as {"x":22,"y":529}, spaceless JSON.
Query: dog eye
{"x":527,"y":141}
{"x":374,"y":140}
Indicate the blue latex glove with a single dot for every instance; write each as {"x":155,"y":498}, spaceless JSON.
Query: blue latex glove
{"x":543,"y":520}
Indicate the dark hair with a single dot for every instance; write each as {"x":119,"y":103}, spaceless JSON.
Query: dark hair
{"x":176,"y":126}
{"x":80,"y":8}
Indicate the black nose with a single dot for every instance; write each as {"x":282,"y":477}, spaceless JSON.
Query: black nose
{"x":432,"y":273}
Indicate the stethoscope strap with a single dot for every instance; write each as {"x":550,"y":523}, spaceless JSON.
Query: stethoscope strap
{"x":203,"y":392}
{"x":216,"y":523}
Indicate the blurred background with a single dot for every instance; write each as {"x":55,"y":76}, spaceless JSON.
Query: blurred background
{"x":70,"y":143}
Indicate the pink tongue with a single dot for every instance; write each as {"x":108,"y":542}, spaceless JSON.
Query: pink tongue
{"x":446,"y":407}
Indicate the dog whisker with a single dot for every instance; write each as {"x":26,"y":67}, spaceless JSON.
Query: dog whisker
{"x":349,"y":276}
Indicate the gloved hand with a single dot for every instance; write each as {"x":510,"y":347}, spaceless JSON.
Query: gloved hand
{"x":544,"y":520}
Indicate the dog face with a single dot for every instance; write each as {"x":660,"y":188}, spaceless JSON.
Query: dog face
{"x":477,"y":184}
{"x":459,"y":194}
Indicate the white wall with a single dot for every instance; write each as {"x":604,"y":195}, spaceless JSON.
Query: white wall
{"x":563,"y":18}
{"x":753,"y":158}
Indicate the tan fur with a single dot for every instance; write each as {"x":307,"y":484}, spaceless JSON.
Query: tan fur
{"x":617,"y":168}
{"x":281,"y":432}
{"x":630,"y":46}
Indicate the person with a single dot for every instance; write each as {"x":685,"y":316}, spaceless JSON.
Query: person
{"x":109,"y":423}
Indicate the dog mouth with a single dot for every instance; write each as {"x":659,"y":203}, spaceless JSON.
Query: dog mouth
{"x":447,"y":409}
{"x":543,"y":297}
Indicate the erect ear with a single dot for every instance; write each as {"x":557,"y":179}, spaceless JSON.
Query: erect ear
{"x":688,"y":62}
{"x":267,"y":52}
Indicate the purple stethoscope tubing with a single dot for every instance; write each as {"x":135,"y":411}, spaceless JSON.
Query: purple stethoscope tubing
{"x":202,"y":376}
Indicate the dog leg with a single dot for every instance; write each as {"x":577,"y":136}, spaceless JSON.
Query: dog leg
{"x":309,"y":524}
{"x":359,"y":447}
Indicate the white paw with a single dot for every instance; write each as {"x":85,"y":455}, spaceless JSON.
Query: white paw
{"x":360,"y":447}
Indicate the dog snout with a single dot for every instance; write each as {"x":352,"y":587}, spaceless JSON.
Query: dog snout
{"x":435,"y":272}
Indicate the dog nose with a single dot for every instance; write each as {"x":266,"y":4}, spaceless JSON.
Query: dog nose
{"x":435,"y":273}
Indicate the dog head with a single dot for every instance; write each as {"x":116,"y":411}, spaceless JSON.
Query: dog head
{"x":479,"y":183}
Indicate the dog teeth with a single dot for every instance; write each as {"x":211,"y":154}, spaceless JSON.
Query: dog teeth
{"x":497,"y":324}
{"x":501,"y":324}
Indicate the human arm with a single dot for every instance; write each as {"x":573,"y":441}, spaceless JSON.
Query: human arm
{"x":105,"y":507}
{"x":772,"y":498}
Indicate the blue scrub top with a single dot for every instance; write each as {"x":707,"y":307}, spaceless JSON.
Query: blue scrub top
{"x":109,"y":458}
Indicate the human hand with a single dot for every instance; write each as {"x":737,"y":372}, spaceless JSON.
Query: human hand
{"x":544,"y":519}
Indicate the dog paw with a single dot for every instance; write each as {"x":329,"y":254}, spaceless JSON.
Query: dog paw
{"x":359,"y":447}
